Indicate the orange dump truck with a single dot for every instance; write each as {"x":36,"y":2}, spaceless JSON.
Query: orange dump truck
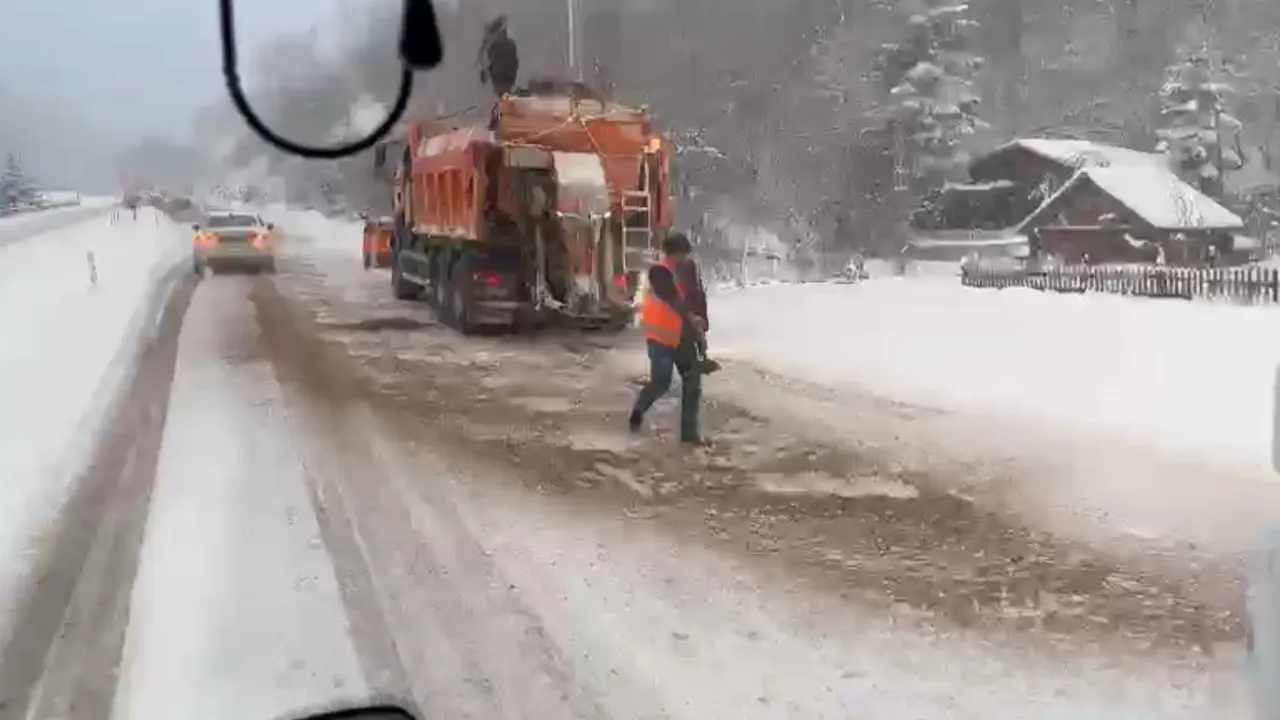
{"x":551,"y":210}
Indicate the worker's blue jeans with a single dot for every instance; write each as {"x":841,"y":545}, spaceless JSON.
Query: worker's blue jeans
{"x":663,"y":362}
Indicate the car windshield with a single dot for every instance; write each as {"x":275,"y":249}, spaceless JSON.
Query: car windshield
{"x":232,"y":220}
{"x":883,"y":359}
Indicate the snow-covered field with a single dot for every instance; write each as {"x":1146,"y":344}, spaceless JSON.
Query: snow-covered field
{"x":1145,"y":419}
{"x":65,"y":348}
{"x":1191,"y":378}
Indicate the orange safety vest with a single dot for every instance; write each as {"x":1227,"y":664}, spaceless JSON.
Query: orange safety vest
{"x":660,"y":322}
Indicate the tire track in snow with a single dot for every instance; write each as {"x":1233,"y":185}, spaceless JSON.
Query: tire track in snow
{"x":466,"y":643}
{"x":236,"y":601}
{"x":62,"y":657}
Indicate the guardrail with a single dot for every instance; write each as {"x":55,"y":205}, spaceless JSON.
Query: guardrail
{"x":25,"y":209}
{"x":1252,"y":284}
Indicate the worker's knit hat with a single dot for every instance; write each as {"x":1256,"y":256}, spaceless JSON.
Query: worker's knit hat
{"x":677,"y":244}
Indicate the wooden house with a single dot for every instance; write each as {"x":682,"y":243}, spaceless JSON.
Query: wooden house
{"x":1132,"y":213}
{"x":1012,"y":181}
{"x":1078,"y":199}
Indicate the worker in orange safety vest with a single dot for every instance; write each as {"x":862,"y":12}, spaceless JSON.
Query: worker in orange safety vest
{"x":672,"y":331}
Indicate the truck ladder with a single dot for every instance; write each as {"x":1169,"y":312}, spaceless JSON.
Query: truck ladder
{"x":637,"y":229}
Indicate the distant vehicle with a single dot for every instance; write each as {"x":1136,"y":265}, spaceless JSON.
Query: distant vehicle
{"x":376,"y":249}
{"x":229,"y":240}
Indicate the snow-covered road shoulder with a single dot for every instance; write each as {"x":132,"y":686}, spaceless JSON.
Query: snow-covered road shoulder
{"x":1190,"y":377}
{"x":236,"y":611}
{"x":1098,"y":405}
{"x":65,"y":351}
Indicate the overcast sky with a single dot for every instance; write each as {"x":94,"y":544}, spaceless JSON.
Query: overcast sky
{"x":144,"y":65}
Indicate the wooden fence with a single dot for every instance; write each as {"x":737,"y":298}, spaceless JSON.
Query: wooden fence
{"x":1245,"y":284}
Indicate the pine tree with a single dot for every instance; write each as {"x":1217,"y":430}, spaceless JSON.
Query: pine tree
{"x":1198,"y":130}
{"x":933,"y":104}
{"x":15,"y":187}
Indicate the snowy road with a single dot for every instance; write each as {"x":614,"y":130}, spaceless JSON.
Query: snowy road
{"x":349,"y":498}
{"x":235,"y":584}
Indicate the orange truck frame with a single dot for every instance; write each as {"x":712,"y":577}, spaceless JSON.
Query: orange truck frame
{"x":552,"y":210}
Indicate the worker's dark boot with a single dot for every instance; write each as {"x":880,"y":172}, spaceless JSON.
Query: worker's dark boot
{"x":709,"y":366}
{"x":635,"y":422}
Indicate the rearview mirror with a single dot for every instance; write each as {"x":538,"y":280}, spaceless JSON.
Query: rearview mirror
{"x":271,"y":226}
{"x":196,"y":227}
{"x":380,"y":157}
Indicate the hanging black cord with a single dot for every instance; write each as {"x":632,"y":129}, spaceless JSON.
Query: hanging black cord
{"x":232,"y":75}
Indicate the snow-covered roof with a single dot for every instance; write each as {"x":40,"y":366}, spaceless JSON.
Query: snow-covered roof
{"x":1086,"y":153}
{"x":1077,"y":154}
{"x":1163,"y":200}
{"x":1155,"y":195}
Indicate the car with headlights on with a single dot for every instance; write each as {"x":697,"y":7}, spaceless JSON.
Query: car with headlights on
{"x":229,"y":240}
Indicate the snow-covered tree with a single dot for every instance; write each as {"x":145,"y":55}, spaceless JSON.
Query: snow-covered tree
{"x":15,"y":187}
{"x":1198,"y":129}
{"x":933,"y":103}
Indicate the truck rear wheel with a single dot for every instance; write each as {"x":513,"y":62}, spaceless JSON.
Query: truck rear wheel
{"x":401,"y":287}
{"x":440,"y":283}
{"x":459,"y":305}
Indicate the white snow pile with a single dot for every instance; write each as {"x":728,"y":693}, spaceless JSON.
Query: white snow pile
{"x":1187,"y":377}
{"x":66,"y":350}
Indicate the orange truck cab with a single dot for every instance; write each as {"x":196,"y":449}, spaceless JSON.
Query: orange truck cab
{"x":376,"y":250}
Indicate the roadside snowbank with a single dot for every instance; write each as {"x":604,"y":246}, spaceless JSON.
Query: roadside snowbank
{"x":64,"y":350}
{"x":14,"y":228}
{"x":1185,"y":377}
{"x":236,"y":611}
{"x":86,"y":203}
